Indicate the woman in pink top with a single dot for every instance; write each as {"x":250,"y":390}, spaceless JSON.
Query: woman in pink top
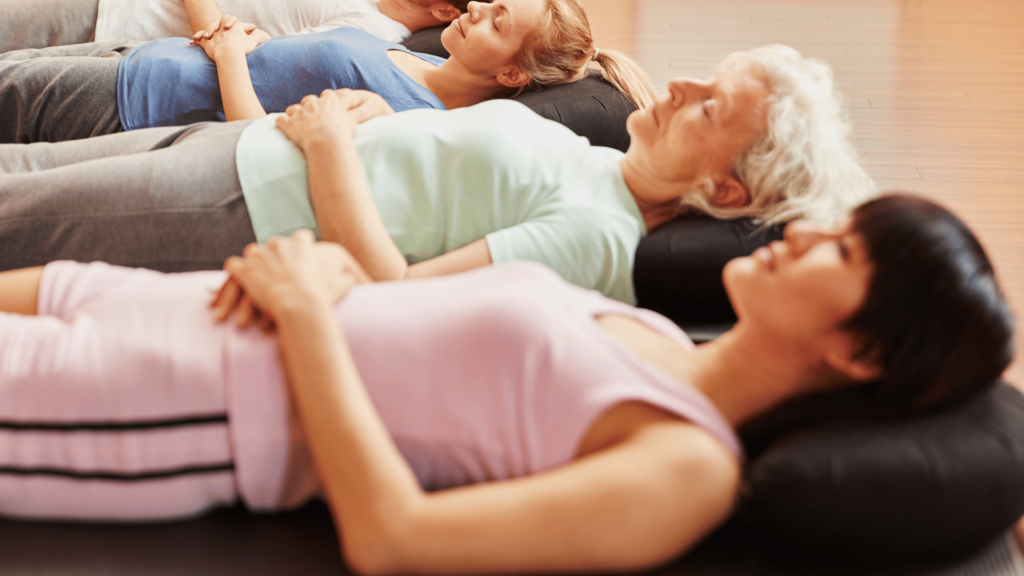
{"x":572,"y":432}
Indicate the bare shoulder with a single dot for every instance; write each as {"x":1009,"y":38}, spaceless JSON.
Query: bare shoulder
{"x":683,"y":451}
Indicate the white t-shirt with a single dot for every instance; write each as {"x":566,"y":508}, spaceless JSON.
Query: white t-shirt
{"x":151,"y":19}
{"x":443,"y":179}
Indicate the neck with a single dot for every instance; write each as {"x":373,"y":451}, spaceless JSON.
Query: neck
{"x":407,"y":14}
{"x":456,"y":87}
{"x":746,"y":373}
{"x":642,"y":186}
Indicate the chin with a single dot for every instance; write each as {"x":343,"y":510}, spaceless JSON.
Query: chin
{"x":640,"y":126}
{"x":740,"y":278}
{"x":446,"y":36}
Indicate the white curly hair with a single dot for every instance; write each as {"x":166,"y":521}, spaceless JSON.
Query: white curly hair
{"x":804,"y":166}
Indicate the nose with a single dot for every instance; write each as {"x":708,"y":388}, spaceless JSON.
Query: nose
{"x":683,"y":90}
{"x":473,"y":9}
{"x":802,"y":235}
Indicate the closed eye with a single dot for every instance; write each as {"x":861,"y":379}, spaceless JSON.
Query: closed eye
{"x":708,"y":104}
{"x":844,"y":252}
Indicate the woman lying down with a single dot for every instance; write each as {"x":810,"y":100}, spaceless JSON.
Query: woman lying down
{"x":499,"y":420}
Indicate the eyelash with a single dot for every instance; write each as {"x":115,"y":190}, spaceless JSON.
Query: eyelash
{"x":495,"y":23}
{"x":707,"y":113}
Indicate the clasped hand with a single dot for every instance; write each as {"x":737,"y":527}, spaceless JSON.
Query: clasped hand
{"x":229,"y":34}
{"x":331,"y":117}
{"x":285,"y":272}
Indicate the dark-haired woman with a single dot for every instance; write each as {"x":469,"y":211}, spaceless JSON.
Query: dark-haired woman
{"x":495,"y":421}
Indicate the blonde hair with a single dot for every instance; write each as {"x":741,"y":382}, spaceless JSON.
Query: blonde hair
{"x":560,"y":49}
{"x":804,"y":166}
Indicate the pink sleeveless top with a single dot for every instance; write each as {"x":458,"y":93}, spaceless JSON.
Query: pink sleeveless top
{"x":487,"y":375}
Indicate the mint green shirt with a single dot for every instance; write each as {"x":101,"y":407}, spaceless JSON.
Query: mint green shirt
{"x":443,"y":179}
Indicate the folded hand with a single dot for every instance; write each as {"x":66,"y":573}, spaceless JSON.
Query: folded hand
{"x":331,"y":117}
{"x":229,"y":34}
{"x":269,"y":277}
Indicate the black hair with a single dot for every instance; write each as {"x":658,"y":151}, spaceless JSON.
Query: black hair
{"x":934,"y":320}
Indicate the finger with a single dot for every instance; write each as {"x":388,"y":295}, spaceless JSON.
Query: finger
{"x":266,"y":325}
{"x":309,"y":100}
{"x":274,"y":243}
{"x":225,"y":299}
{"x":249,"y":28}
{"x":360,"y":113}
{"x":292,"y":109}
{"x":251,"y":250}
{"x":244,"y":312}
{"x":232,"y":264}
{"x":305,"y":236}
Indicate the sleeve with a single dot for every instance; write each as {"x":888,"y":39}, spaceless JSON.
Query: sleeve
{"x":587,"y":247}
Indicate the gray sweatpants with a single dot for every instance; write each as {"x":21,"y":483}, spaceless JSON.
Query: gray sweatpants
{"x":42,"y":23}
{"x":160,"y":198}
{"x":60,"y":93}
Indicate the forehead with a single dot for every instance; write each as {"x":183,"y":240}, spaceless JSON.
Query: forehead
{"x":520,"y":9}
{"x":745,"y":87}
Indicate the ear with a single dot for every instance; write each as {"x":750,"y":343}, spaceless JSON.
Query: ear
{"x":513,"y":77}
{"x":731,"y":193}
{"x":444,"y":12}
{"x":839,"y":357}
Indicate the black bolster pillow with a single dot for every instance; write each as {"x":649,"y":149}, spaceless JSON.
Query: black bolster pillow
{"x":678,"y":267}
{"x":925,"y":488}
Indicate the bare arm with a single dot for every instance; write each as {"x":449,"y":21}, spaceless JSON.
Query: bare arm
{"x":635,"y":504}
{"x":19,"y":290}
{"x":228,"y":48}
{"x":202,"y":14}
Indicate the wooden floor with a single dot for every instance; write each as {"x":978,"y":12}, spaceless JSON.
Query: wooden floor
{"x":935,"y":89}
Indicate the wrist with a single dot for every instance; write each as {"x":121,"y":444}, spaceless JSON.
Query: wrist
{"x":298,"y":304}
{"x":328,"y":142}
{"x":225,"y":52}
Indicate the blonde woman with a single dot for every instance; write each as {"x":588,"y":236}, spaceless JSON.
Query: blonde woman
{"x":71,"y":92}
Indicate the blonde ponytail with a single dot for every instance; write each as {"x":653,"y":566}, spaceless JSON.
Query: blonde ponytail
{"x":560,"y":49}
{"x":624,"y":73}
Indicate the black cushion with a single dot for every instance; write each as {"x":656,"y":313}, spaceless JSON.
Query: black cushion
{"x":427,"y":41}
{"x":865,"y":491}
{"x":591,"y":107}
{"x":678,"y":267}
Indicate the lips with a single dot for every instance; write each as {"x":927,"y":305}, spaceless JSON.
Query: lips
{"x":458,"y":24}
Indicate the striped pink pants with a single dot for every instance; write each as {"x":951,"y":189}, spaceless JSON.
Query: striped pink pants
{"x":112,"y":399}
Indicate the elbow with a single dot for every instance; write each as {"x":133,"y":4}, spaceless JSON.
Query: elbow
{"x":369,"y":556}
{"x":379,"y":549}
